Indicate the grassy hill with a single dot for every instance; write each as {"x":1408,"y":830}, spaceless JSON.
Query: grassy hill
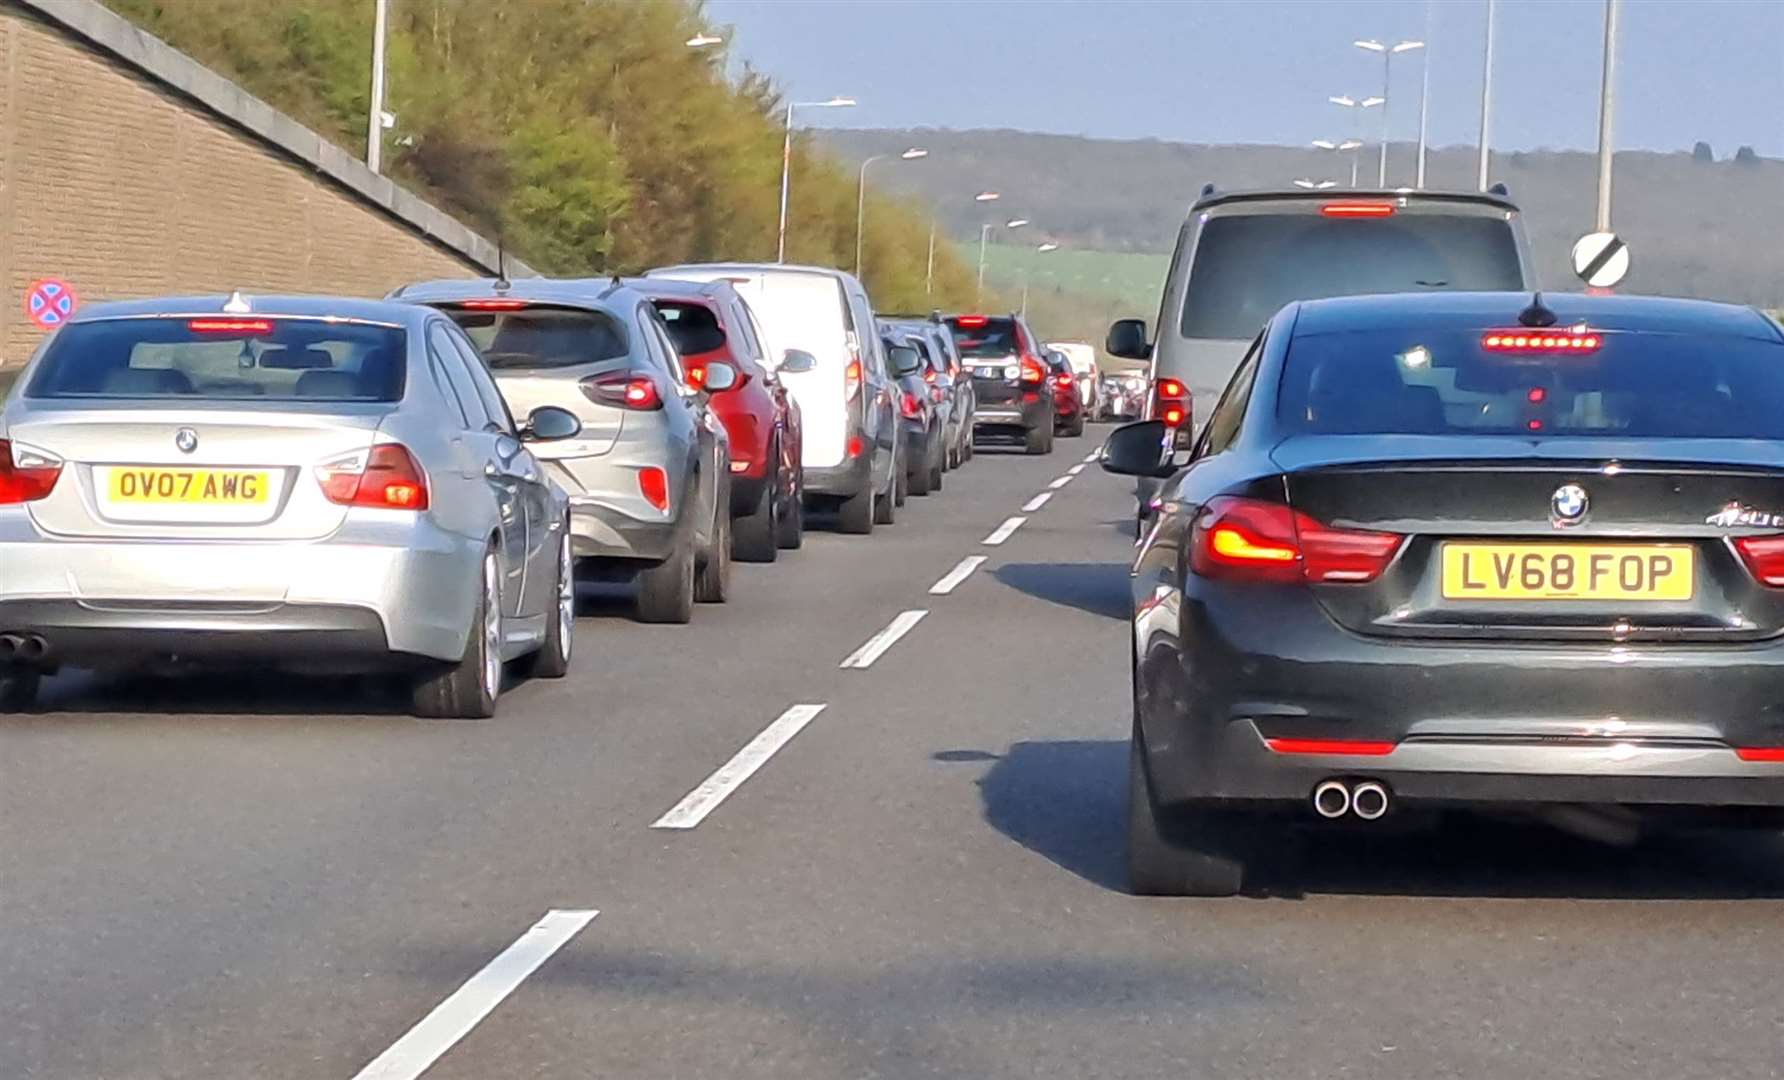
{"x":1696,"y":228}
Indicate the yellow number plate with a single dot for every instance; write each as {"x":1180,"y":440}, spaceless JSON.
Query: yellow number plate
{"x":212,"y":487}
{"x":1568,"y":571}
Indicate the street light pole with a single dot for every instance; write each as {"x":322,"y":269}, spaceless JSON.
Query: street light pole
{"x":1486,"y":97}
{"x":1424,"y":94}
{"x":1607,"y":97}
{"x":913,"y":154}
{"x":1042,"y":250}
{"x":374,"y":134}
{"x":1387,"y":62}
{"x":984,"y":235}
{"x":1355,"y":146}
{"x":929,"y":271}
{"x":780,"y":246}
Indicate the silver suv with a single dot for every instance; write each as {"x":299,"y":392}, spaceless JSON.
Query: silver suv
{"x":1242,"y":256}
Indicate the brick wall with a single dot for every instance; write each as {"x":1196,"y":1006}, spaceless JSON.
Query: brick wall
{"x":124,"y":189}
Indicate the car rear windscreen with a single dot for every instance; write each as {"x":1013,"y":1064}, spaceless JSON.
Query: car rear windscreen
{"x":542,"y":337}
{"x":991,"y":337}
{"x":1247,"y":267}
{"x":693,"y":327}
{"x":1631,"y":385}
{"x":210,"y":357}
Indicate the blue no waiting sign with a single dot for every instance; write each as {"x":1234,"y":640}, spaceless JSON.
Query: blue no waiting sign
{"x":49,"y":303}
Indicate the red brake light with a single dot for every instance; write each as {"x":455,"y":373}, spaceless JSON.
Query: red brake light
{"x":1764,"y":556}
{"x":696,"y":374}
{"x":1065,"y":378}
{"x":1171,"y":388}
{"x":653,"y":484}
{"x":1540,"y":342}
{"x":851,"y":380}
{"x":929,"y":375}
{"x":26,"y":475}
{"x":230,"y":326}
{"x":492,"y":305}
{"x":910,"y":406}
{"x":624,"y":389}
{"x":1033,"y":371}
{"x":1173,"y":416}
{"x":1760,"y":753}
{"x":387,"y":477}
{"x":856,"y":446}
{"x":1236,"y":537}
{"x":1358,"y":209}
{"x":971,"y":322}
{"x":1359,"y":747}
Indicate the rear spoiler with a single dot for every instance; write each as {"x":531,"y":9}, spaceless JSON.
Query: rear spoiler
{"x":1496,"y":196}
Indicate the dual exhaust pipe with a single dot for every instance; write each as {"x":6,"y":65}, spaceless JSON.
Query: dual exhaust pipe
{"x":1333,"y":799}
{"x":22,"y":648}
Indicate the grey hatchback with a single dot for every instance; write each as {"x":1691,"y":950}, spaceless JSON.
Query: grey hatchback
{"x":649,"y":476}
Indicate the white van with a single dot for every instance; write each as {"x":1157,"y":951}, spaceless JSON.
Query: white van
{"x":847,"y":399}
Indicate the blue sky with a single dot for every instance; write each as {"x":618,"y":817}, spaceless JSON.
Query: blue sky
{"x":1259,"y":71}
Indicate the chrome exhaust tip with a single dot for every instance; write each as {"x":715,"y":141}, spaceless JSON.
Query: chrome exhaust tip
{"x":1331,"y":799}
{"x":1369,"y":800}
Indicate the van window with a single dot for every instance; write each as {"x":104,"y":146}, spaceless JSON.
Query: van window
{"x":1247,"y":267}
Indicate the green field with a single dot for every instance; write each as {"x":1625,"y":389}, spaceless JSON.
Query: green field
{"x":1132,"y":278}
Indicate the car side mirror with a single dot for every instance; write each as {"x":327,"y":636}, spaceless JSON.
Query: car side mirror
{"x":719,"y":376}
{"x":905,"y":361}
{"x":1139,"y":449}
{"x":548,"y":423}
{"x":797,"y":361}
{"x":1127,"y":339}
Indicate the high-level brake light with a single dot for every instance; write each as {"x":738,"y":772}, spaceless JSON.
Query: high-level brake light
{"x":1358,"y":209}
{"x":230,"y":326}
{"x":492,"y":305}
{"x":1540,"y":342}
{"x":971,"y":322}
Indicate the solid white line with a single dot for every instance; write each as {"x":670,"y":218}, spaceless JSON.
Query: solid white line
{"x":1092,"y":456}
{"x":1037,"y":502}
{"x":1002,"y":532}
{"x":960,"y":573}
{"x":454,"y":1018}
{"x":1061,"y":482}
{"x":1075,"y":470}
{"x":715,"y":789}
{"x":876,"y":646}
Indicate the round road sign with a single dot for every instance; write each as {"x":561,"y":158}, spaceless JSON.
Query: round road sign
{"x":1601,"y":259}
{"x":49,"y":303}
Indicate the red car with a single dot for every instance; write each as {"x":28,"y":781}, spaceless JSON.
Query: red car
{"x":711,"y":324}
{"x":1068,"y":406}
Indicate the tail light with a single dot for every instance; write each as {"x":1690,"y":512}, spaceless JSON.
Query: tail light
{"x":1171,"y":402}
{"x":624,"y":389}
{"x":386,"y":477}
{"x":1246,"y":538}
{"x":1033,"y":371}
{"x":929,"y":375}
{"x":26,"y":475}
{"x":851,"y":380}
{"x":910,"y":405}
{"x":696,"y":374}
{"x":1064,"y":378}
{"x":856,"y":446}
{"x":653,"y":484}
{"x":1764,"y":555}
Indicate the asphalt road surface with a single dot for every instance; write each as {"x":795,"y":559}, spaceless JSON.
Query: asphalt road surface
{"x":269,"y":877}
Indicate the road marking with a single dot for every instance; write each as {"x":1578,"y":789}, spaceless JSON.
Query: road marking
{"x":715,"y":789}
{"x":453,"y":1019}
{"x":954,"y":577}
{"x":876,"y":646}
{"x":1062,"y":481}
{"x":1037,"y":502}
{"x":1092,"y":457}
{"x":1002,"y":532}
{"x":1074,"y":470}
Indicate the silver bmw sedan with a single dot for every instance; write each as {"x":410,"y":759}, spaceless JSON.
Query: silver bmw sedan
{"x":311,"y":482}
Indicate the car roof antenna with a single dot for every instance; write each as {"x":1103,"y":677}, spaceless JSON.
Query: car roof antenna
{"x":1537,"y":314}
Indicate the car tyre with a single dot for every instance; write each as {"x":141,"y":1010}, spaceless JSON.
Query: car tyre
{"x":936,"y":470}
{"x":666,"y":590}
{"x":919,"y":480}
{"x":467,"y":689}
{"x":552,"y":661}
{"x":1039,"y":440}
{"x":1195,"y":853}
{"x":755,"y":536}
{"x":19,"y":688}
{"x":1076,"y":427}
{"x":712,"y":583}
{"x":857,"y":514}
{"x":790,"y":529}
{"x":885,"y":508}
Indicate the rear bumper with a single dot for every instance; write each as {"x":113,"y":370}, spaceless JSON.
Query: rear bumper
{"x":599,"y":530}
{"x":92,"y":634}
{"x":847,"y":479}
{"x":1466,"y":723}
{"x":1013,"y":416}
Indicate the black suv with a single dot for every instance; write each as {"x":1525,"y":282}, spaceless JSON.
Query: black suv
{"x":1009,"y":378}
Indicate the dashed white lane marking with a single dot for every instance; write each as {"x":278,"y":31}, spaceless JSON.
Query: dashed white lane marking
{"x":453,"y":1019}
{"x":715,"y":789}
{"x":1061,"y":482}
{"x":1002,"y":532}
{"x":1037,"y":502}
{"x":1075,"y":470}
{"x":876,"y":646}
{"x":960,"y":573}
{"x":1092,"y":456}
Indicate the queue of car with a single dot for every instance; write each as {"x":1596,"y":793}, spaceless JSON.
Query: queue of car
{"x":413,"y":486}
{"x":1442,"y":542}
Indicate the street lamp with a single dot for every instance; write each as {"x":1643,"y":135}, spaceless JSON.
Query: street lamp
{"x":780,"y":247}
{"x":1353,"y":145}
{"x":915,"y":153}
{"x":1388,"y":53}
{"x":929,"y":272}
{"x":704,"y":40}
{"x":1315,"y":185}
{"x":374,"y":132}
{"x":1041,"y":250}
{"x":985,"y":234}
{"x":1356,"y":123}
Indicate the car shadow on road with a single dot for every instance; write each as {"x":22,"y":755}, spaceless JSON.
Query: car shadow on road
{"x":1066,"y":801}
{"x":1099,"y":588}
